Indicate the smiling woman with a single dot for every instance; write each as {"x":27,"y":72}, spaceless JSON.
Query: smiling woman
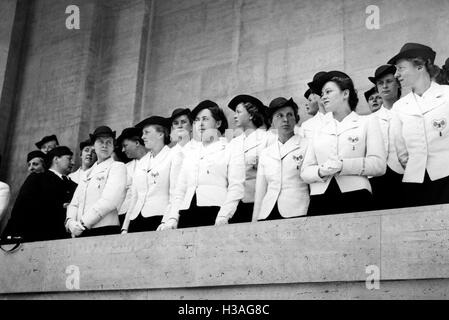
{"x":343,"y":152}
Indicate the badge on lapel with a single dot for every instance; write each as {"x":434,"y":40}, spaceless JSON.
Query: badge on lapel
{"x":439,"y":125}
{"x":353,"y":140}
{"x":298,"y":159}
{"x":100,"y":180}
{"x":154,"y":176}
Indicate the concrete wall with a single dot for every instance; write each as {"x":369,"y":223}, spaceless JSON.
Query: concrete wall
{"x":269,"y":48}
{"x":308,"y":257}
{"x":134,"y":58}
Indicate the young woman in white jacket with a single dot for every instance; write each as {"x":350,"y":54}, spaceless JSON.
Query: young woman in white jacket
{"x":154,"y":181}
{"x":93,"y":210}
{"x":344,"y":151}
{"x":420,"y":127}
{"x":250,"y":120}
{"x":280,"y":191}
{"x":210,"y":184}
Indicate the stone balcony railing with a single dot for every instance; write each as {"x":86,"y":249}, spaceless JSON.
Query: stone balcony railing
{"x":327,"y":257}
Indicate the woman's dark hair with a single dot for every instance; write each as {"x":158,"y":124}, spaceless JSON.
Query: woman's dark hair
{"x":218,"y":115}
{"x":431,"y":69}
{"x":163,"y":130}
{"x":347,"y":84}
{"x":136,"y":139}
{"x":257,"y":117}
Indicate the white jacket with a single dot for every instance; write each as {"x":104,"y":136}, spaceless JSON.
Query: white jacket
{"x":252,"y":147}
{"x":99,"y":195}
{"x":4,"y":199}
{"x":357,"y":140}
{"x":130,"y":169}
{"x":384,"y":117}
{"x":216,"y":173}
{"x":153,"y":186}
{"x":278,"y":180}
{"x":421,"y":131}
{"x":310,"y":126}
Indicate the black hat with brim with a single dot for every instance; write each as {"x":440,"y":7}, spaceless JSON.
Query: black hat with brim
{"x":243,"y":98}
{"x":180,"y":112}
{"x":57,"y":152}
{"x":414,"y":50}
{"x":279,"y":103}
{"x":129,"y":133}
{"x":315,"y":77}
{"x":370,"y":92}
{"x":35,"y":154}
{"x":154,"y":120}
{"x":102,"y":131}
{"x":85,"y":143}
{"x":318,"y":84}
{"x":381,"y":71}
{"x":307,"y":94}
{"x":46,"y":139}
{"x":206,"y":104}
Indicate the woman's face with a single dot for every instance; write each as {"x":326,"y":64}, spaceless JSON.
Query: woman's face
{"x":205,"y":121}
{"x":312,"y":104}
{"x":182,"y":123}
{"x":375,"y":102}
{"x":151,"y":136}
{"x":388,"y":87}
{"x":407,"y":73}
{"x":241,"y":117}
{"x":88,"y":156}
{"x":333,"y":97}
{"x":104,"y":146}
{"x":284,"y":120}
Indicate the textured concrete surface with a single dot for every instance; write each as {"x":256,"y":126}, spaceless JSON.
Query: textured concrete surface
{"x":313,"y":257}
{"x":391,"y":290}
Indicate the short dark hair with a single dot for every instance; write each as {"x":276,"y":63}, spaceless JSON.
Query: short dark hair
{"x":347,"y":84}
{"x":218,"y":115}
{"x":258,"y":118}
{"x":135,"y":139}
{"x":163,"y":130}
{"x":431,"y":69}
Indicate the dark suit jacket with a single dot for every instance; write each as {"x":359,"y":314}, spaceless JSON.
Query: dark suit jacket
{"x":38,"y":213}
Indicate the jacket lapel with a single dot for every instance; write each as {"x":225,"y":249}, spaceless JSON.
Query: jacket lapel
{"x":158,"y":158}
{"x":98,"y":168}
{"x":434,"y":98}
{"x":410,"y":106}
{"x":253,"y":140}
{"x":291,"y":145}
{"x":273,"y":151}
{"x":350,"y":122}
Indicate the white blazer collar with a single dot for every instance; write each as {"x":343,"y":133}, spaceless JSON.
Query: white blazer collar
{"x":254,"y":139}
{"x":99,"y":167}
{"x":334,"y":127}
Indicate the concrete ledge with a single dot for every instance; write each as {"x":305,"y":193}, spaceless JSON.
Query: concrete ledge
{"x":307,"y":253}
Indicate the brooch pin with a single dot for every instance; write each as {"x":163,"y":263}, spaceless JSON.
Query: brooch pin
{"x":439,"y":125}
{"x":298,"y":159}
{"x":353,"y":141}
{"x":154,"y":175}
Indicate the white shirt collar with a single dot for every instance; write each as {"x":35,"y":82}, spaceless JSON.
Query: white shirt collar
{"x":56,"y":173}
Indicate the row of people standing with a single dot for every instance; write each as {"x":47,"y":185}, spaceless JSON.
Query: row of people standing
{"x":335,"y":164}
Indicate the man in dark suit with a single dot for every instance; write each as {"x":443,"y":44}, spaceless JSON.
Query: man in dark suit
{"x":40,"y":209}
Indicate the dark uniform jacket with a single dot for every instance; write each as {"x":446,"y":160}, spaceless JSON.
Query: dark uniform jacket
{"x":38,"y":213}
